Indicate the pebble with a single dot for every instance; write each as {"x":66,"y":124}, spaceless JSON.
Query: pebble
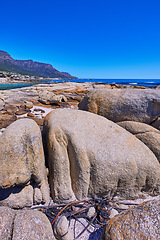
{"x":30,"y":114}
{"x":21,"y":112}
{"x":62,"y":227}
{"x":113,"y":213}
{"x":91,"y":212}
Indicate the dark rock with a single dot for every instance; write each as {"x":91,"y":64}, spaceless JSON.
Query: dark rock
{"x":39,"y":110}
{"x":6,"y":120}
{"x":30,"y":114}
{"x":156,"y":123}
{"x":21,"y":112}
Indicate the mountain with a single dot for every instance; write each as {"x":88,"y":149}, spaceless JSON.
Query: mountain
{"x":29,"y":67}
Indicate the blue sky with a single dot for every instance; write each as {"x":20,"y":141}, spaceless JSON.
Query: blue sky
{"x":88,"y":39}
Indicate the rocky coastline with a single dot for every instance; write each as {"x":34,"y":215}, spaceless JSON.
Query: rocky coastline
{"x":76,"y":146}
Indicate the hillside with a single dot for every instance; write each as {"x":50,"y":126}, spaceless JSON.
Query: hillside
{"x":29,"y":67}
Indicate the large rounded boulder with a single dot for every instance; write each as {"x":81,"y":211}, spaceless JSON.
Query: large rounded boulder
{"x":140,"y":105}
{"x":141,"y":222}
{"x":147,"y":134}
{"x":24,"y":224}
{"x":90,"y":156}
{"x":23,"y":175}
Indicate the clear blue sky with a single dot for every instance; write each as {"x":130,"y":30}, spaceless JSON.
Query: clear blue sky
{"x":88,"y":39}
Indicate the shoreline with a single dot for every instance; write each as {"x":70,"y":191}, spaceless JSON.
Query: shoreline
{"x":134,"y":83}
{"x":25,"y":102}
{"x":74,"y":92}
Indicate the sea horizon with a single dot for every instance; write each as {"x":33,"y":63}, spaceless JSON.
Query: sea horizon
{"x":151,"y":83}
{"x":121,"y":81}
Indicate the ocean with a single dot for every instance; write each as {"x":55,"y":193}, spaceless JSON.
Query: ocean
{"x":5,"y":86}
{"x":141,"y":82}
{"x":152,"y":83}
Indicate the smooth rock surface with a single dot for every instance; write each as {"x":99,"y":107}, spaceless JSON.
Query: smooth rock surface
{"x":21,"y":164}
{"x":140,"y":105}
{"x":147,"y":134}
{"x":89,"y":155}
{"x":62,"y":227}
{"x":138,"y":223}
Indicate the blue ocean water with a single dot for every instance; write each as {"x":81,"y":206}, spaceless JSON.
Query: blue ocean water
{"x":5,"y":86}
{"x":152,"y":83}
{"x":140,"y":82}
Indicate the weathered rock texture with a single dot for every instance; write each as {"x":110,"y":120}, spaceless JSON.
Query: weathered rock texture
{"x":147,"y":134}
{"x":6,"y":120}
{"x":138,"y":223}
{"x":140,"y":105}
{"x":2,"y":103}
{"x":31,"y":224}
{"x":89,"y":155}
{"x":24,"y":225}
{"x":27,"y":104}
{"x":7,"y":216}
{"x":23,"y":175}
{"x":48,"y":97}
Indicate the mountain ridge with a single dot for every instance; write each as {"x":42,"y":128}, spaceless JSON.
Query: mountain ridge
{"x":30,"y":67}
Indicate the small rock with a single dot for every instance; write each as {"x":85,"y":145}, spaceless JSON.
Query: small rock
{"x":30,"y":114}
{"x":91,"y":212}
{"x":2,"y":130}
{"x":37,"y":196}
{"x":6,"y":120}
{"x":48,"y":97}
{"x":2,"y":103}
{"x":39,"y":110}
{"x":113,"y":213}
{"x":28,"y":105}
{"x":10,"y":112}
{"x":62,"y":227}
{"x":21,"y":112}
{"x":123,"y":206}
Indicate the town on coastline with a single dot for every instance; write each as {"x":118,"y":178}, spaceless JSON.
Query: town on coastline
{"x":11,"y":77}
